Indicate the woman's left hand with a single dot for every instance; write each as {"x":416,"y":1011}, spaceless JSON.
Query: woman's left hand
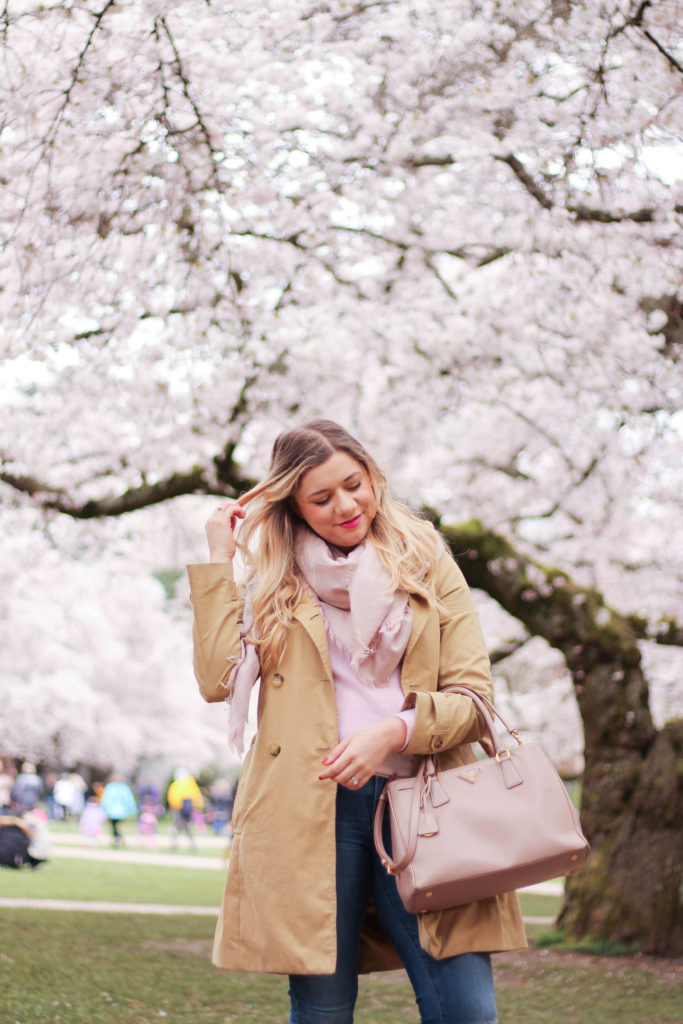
{"x":356,"y":758}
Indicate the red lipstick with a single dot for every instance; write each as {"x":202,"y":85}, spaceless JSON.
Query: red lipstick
{"x":351,"y":524}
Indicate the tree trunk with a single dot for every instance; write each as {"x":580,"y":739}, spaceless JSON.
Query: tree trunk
{"x":628,"y":892}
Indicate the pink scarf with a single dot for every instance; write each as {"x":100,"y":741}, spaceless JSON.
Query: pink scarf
{"x":369,"y":624}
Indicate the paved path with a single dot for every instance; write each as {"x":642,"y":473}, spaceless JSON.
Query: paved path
{"x":73,"y":848}
{"x":107,"y":908}
{"x":202,"y":862}
{"x":144,"y":908}
{"x":164,"y":841}
{"x":124,"y":856}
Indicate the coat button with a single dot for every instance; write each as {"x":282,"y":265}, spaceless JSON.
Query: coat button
{"x":278,"y":679}
{"x":275,"y":749}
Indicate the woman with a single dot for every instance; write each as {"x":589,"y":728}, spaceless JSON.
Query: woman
{"x":355,"y":618}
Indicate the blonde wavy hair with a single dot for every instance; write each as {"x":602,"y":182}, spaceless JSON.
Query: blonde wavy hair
{"x":407,"y":546}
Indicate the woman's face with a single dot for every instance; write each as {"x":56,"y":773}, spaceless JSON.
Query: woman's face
{"x":337,"y":501}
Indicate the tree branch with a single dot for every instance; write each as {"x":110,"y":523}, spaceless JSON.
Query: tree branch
{"x":503,"y":652}
{"x":645,"y":215}
{"x":637,"y":22}
{"x":353,"y":12}
{"x":575,"y":620}
{"x":543,"y":599}
{"x":185,"y":83}
{"x":665,"y":53}
{"x":667,"y":632}
{"x":581,"y":212}
{"x":196,"y":481}
{"x":522,"y":175}
{"x":74,"y":76}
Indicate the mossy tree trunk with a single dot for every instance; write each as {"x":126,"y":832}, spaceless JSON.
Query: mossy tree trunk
{"x":631,"y":797}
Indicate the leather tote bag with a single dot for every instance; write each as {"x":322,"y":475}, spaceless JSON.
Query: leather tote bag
{"x":481,"y":829}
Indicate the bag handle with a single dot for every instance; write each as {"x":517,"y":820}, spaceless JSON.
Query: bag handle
{"x":394,"y":866}
{"x":427,"y":771}
{"x":488,"y":713}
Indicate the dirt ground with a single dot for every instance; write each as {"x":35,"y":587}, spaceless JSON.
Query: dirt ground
{"x":666,"y":968}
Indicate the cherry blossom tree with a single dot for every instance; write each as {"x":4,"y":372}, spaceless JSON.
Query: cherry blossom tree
{"x":453,"y":227}
{"x":96,"y":661}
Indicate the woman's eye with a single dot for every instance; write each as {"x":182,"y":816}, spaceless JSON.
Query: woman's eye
{"x":323,"y":501}
{"x":354,"y":487}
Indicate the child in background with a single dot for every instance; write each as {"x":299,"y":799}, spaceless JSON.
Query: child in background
{"x":92,"y":820}
{"x":148,"y":824}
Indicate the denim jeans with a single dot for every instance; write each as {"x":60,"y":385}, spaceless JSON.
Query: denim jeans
{"x":456,"y":990}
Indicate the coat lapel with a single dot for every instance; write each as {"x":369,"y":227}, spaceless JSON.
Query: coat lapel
{"x":420,"y":610}
{"x":310,"y":617}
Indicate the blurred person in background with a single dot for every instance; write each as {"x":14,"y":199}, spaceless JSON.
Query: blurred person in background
{"x":118,"y":804}
{"x":63,"y":794}
{"x":50,"y":780}
{"x":40,"y":843}
{"x":80,"y":788}
{"x":148,"y":821}
{"x":148,"y":792}
{"x":14,"y":839}
{"x":184,"y":798}
{"x":221,"y":798}
{"x":92,"y":820}
{"x":7,"y":776}
{"x":24,"y":839}
{"x":27,"y":789}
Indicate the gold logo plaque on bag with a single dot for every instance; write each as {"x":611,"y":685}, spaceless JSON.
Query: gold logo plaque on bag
{"x":470,"y":775}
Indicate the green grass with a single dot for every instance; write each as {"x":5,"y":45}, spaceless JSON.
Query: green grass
{"x":117,"y":883}
{"x":109,"y":881}
{"x":539,"y":905}
{"x":92,"y":968}
{"x":62,"y":967}
{"x":544,"y":988}
{"x":599,"y":947}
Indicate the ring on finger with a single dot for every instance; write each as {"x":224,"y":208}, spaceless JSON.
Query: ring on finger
{"x":354,"y":780}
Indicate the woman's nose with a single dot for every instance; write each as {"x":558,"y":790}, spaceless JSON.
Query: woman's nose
{"x":345,"y":502}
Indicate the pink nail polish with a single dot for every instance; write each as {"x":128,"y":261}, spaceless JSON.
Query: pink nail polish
{"x":326,"y":760}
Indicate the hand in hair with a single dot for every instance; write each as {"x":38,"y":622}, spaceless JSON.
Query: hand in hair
{"x":220,"y":531}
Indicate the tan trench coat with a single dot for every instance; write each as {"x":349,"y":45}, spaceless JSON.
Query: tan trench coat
{"x":279,"y":908}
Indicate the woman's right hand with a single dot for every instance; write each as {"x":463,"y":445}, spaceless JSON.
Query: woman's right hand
{"x":220,"y":531}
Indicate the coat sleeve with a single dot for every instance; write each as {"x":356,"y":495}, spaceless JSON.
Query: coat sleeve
{"x":215,"y":633}
{"x":446,"y":720}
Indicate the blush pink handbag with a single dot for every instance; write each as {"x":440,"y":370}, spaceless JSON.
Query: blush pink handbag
{"x":482,"y":829}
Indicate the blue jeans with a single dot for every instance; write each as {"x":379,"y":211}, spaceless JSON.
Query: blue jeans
{"x":456,"y":990}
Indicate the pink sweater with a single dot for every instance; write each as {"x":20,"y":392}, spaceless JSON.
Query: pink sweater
{"x":360,"y":704}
